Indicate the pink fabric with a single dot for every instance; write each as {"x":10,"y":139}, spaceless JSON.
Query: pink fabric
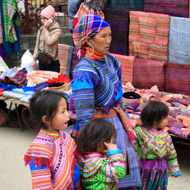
{"x":48,"y":12}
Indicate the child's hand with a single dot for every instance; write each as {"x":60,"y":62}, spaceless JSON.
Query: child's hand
{"x":110,"y":146}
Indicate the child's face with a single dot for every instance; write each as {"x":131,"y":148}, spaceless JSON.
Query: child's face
{"x":163,"y":123}
{"x":61,"y":118}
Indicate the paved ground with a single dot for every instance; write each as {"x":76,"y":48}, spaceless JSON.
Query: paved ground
{"x":15,"y":176}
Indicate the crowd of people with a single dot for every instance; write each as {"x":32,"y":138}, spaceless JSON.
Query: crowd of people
{"x":103,"y":151}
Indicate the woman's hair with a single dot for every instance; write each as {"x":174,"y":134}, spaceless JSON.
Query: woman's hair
{"x":95,"y":133}
{"x":153,"y":113}
{"x":43,"y":103}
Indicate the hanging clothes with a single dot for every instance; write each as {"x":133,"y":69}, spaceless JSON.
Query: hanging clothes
{"x":9,"y":33}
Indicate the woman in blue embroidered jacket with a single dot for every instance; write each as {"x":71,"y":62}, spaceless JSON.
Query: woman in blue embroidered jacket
{"x":97,"y":89}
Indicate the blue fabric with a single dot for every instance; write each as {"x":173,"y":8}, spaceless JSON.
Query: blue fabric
{"x":113,"y":151}
{"x":34,"y":167}
{"x":177,"y":174}
{"x":76,"y":176}
{"x":178,"y":49}
{"x":8,"y":87}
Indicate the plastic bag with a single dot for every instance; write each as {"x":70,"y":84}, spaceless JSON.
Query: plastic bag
{"x":26,"y":61}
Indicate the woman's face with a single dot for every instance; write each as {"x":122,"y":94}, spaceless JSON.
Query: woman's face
{"x":101,"y":41}
{"x":43,"y":19}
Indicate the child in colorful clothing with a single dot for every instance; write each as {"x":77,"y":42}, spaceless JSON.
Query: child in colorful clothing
{"x":51,"y":155}
{"x":102,"y":164}
{"x":154,"y":146}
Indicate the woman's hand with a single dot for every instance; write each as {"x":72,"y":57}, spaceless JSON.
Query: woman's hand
{"x":47,"y":24}
{"x":34,"y":66}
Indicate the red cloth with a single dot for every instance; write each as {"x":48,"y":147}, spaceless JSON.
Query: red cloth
{"x":61,"y":78}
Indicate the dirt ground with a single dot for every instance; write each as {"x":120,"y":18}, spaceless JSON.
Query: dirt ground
{"x":15,"y":176}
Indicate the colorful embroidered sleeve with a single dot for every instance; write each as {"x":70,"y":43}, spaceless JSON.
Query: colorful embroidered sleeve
{"x":41,"y":176}
{"x":172,"y":159}
{"x":83,"y":96}
{"x":107,"y":172}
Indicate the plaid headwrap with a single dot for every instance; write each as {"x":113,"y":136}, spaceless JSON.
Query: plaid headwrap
{"x":88,"y":26}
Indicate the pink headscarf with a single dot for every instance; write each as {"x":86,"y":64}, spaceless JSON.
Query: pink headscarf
{"x":48,"y":12}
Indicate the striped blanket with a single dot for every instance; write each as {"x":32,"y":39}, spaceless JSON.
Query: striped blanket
{"x":179,"y":43}
{"x":177,"y":78}
{"x":148,"y":35}
{"x":126,"y":4}
{"x":179,"y":8}
{"x":126,"y":66}
{"x":119,"y":23}
{"x":148,"y":73}
{"x":68,"y":60}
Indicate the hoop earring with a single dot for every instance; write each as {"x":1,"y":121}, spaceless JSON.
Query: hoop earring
{"x":92,"y":50}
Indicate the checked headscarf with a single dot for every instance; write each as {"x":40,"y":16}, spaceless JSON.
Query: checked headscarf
{"x":88,"y":26}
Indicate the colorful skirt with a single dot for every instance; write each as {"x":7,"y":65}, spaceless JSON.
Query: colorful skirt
{"x":154,"y":174}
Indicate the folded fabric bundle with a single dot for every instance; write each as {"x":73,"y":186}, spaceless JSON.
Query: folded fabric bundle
{"x":59,"y":87}
{"x":185,"y":134}
{"x":60,"y":78}
{"x":40,"y":86}
{"x":19,"y":79}
{"x":184,"y":100}
{"x":39,"y":76}
{"x":27,"y":98}
{"x":9,"y":72}
{"x":132,"y":106}
{"x":11,"y":94}
{"x":178,"y":105}
{"x":184,"y":119}
{"x":141,"y":107}
{"x":174,"y":123}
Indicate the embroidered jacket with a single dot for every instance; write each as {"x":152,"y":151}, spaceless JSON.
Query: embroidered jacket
{"x":99,"y":172}
{"x":96,"y":83}
{"x":151,"y":144}
{"x":53,"y":155}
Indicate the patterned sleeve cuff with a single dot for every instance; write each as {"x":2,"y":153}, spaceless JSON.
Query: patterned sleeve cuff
{"x":113,"y":151}
{"x":176,"y":174}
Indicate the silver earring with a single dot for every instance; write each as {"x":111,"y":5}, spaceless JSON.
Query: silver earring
{"x":92,"y":50}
